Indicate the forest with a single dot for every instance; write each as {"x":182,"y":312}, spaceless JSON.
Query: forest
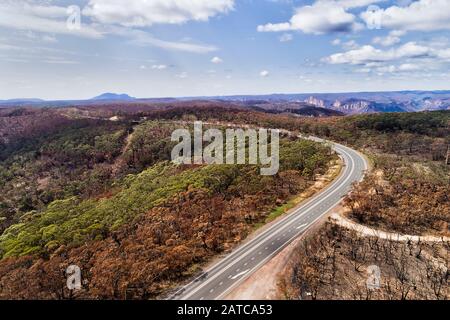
{"x":334,"y":264}
{"x":406,"y":192}
{"x":93,"y":186}
{"x":102,"y":195}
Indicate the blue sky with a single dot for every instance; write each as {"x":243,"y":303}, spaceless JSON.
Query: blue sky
{"x":159,"y":48}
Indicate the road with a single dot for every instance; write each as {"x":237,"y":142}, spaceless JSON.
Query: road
{"x":216,"y":282}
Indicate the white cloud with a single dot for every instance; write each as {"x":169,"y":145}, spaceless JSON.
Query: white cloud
{"x":142,"y":38}
{"x":264,"y":74}
{"x":387,"y":69}
{"x":182,"y":75}
{"x":336,"y":42}
{"x":386,"y":41}
{"x":351,"y":44}
{"x":57,"y":60}
{"x":408,"y":67}
{"x":323,"y":16}
{"x":37,"y":37}
{"x":349,"y":4}
{"x":444,"y":54}
{"x":51,"y":20}
{"x":421,"y":15}
{"x":49,"y":39}
{"x":21,"y":15}
{"x":405,"y":67}
{"x":148,"y":12}
{"x":216,"y":60}
{"x":392,"y":38}
{"x":286,"y":37}
{"x":408,"y":58}
{"x":275,"y":27}
{"x":364,"y":70}
{"x":368,"y":54}
{"x":397,"y":33}
{"x":159,"y":67}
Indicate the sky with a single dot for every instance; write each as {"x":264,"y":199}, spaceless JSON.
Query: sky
{"x":78,"y":49}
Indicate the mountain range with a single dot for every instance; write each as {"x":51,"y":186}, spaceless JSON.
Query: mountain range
{"x":328,"y":103}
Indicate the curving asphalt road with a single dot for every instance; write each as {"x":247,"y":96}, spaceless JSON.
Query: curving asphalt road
{"x":221,"y":278}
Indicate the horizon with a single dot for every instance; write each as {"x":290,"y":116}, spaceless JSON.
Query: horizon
{"x":226,"y":96}
{"x":74,"y":49}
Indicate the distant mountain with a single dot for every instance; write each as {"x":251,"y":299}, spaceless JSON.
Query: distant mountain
{"x":20,"y":102}
{"x":359,"y":102}
{"x":113,"y":97}
{"x":346,"y":103}
{"x":355,"y":106}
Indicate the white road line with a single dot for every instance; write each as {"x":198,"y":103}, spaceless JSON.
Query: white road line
{"x":240,"y":274}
